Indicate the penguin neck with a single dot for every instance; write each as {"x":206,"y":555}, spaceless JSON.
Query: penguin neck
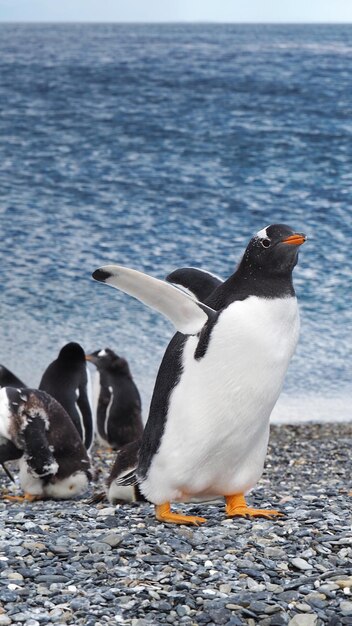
{"x":256,"y":281}
{"x":252,"y":281}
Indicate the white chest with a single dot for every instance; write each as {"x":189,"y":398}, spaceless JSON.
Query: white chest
{"x":216,"y":432}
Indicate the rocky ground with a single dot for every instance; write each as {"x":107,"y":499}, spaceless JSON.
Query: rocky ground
{"x":75,"y":563}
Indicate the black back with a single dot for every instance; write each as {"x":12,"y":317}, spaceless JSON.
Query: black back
{"x":120,"y":397}
{"x":65,"y":379}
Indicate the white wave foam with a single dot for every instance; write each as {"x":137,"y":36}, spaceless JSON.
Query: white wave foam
{"x":312,"y":408}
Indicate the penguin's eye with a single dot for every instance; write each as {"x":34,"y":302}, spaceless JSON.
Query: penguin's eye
{"x":265,"y":243}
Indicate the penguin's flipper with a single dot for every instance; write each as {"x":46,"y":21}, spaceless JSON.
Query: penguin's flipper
{"x":188,"y":315}
{"x":198,"y":282}
{"x":8,"y":452}
{"x":8,"y":379}
{"x":84,"y":410}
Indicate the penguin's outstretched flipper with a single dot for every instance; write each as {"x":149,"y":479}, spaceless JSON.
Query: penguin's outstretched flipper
{"x":197,"y":281}
{"x":187,"y":314}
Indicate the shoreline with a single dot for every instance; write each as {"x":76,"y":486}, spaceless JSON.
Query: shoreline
{"x":75,"y":563}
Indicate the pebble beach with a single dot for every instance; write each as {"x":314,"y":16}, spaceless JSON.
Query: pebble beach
{"x":74,"y":562}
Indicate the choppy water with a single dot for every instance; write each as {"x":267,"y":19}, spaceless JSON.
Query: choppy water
{"x":159,"y":146}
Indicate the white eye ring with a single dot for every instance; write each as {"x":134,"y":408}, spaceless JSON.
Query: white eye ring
{"x":266,"y":243}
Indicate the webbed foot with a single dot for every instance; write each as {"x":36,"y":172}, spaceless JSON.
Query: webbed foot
{"x":236,"y":507}
{"x":163,"y":513}
{"x":27,"y":497}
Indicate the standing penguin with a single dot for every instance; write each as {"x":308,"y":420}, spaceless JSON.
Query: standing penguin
{"x":221,"y":375}
{"x":119,"y":417}
{"x":35,"y":429}
{"x":65,"y":379}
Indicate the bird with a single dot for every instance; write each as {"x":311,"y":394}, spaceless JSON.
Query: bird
{"x":38,"y":432}
{"x":208,"y":426}
{"x":119,"y":409}
{"x":65,"y":379}
{"x":8,"y":379}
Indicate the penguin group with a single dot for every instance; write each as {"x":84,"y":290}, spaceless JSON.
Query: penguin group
{"x":50,"y":430}
{"x":208,"y":426}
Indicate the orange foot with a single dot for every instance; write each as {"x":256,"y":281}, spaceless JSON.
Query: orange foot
{"x":236,"y":507}
{"x":163,"y":513}
{"x":27,"y":497}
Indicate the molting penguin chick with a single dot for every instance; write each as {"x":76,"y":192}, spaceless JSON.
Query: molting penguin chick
{"x":65,"y":379}
{"x":119,"y":418}
{"x":8,"y":379}
{"x":221,"y":375}
{"x":35,"y":429}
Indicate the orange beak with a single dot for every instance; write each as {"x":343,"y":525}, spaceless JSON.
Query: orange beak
{"x":295,"y":240}
{"x":88,"y":357}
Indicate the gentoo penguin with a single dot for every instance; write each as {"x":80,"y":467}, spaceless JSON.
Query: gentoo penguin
{"x":119,"y":417}
{"x":8,"y":379}
{"x":221,"y":375}
{"x":35,"y":429}
{"x":65,"y":379}
{"x":126,"y":461}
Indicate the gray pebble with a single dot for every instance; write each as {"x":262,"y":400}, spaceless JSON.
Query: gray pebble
{"x":300,"y":563}
{"x":65,"y":563}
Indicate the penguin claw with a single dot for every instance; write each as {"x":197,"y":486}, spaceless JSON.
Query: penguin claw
{"x":164,"y":514}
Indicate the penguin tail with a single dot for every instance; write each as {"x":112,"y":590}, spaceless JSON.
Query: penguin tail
{"x":129,"y":479}
{"x":98,"y":496}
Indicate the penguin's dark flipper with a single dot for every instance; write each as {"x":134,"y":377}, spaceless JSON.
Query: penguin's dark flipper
{"x":198,"y":282}
{"x":236,"y":506}
{"x":7,"y":472}
{"x":163,"y":513}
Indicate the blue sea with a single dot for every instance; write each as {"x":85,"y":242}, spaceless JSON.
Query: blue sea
{"x":159,"y":146}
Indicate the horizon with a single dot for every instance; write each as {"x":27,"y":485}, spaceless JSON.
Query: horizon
{"x":166,"y":22}
{"x":177,"y":11}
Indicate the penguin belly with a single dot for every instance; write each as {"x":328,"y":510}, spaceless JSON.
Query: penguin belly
{"x":217,"y":425}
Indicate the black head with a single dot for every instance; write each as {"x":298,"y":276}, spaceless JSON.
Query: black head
{"x":72,"y":352}
{"x":107,"y":359}
{"x":273,"y":251}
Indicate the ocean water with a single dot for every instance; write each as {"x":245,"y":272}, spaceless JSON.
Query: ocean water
{"x":158,"y":146}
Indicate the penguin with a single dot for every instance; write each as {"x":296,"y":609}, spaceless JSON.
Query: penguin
{"x":126,"y":461}
{"x":221,"y":375}
{"x":119,"y":416}
{"x":38,"y":432}
{"x":8,"y":379}
{"x":65,"y":379}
